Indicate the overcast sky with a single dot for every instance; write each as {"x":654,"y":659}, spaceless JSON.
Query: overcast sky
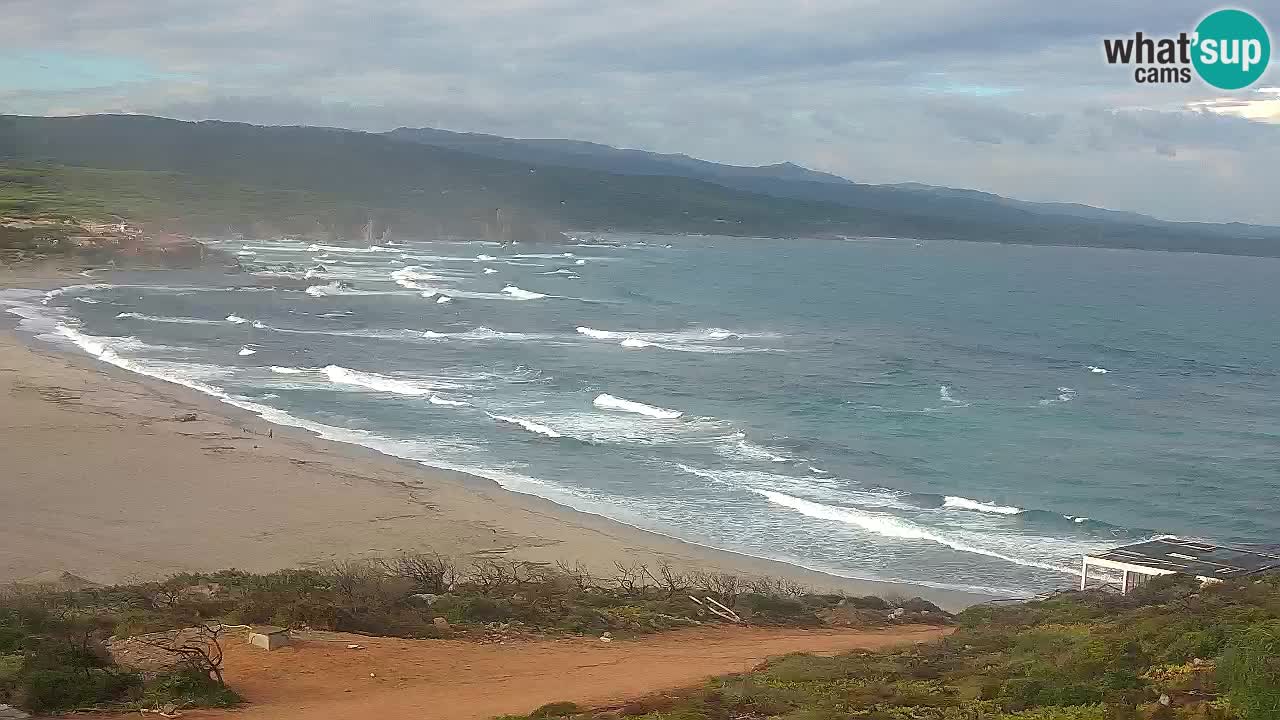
{"x":1008,"y":96}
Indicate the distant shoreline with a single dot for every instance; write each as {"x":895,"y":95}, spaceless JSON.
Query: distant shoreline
{"x":108,"y":485}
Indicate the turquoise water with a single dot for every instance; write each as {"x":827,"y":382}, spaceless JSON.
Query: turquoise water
{"x":926,"y":412}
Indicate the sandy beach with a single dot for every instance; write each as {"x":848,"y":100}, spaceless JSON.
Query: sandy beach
{"x":106,"y":477}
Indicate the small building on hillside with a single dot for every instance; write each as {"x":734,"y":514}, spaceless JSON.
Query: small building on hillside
{"x":268,"y":637}
{"x":1140,"y":562}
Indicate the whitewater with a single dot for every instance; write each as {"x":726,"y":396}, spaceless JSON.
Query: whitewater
{"x":876,"y":410}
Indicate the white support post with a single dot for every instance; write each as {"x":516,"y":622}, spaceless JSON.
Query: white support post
{"x":1084,"y":573}
{"x":1124,"y":583}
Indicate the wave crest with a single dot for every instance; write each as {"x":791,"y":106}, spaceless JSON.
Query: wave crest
{"x":529,"y":425}
{"x":605,"y":401}
{"x":372,"y":381}
{"x":956,"y":502}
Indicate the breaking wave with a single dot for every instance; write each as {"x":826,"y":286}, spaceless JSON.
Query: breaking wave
{"x":286,"y":370}
{"x":610,"y":402}
{"x":484,"y":333}
{"x":895,"y":527}
{"x":1065,"y":394}
{"x":944,"y":393}
{"x":521,"y":294}
{"x":246,"y":350}
{"x":373,"y":381}
{"x":160,"y":319}
{"x":956,"y":502}
{"x":529,"y":425}
{"x":437,"y":400}
{"x":333,"y":288}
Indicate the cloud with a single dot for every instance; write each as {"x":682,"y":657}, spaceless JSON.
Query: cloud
{"x":1009,"y":96}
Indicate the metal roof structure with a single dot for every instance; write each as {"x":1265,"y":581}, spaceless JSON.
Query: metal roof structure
{"x":1172,"y":555}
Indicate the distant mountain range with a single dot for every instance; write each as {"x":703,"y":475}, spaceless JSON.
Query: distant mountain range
{"x":782,"y":180}
{"x":307,"y":180}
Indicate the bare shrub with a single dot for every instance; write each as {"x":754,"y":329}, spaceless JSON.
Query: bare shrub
{"x":629,"y":580}
{"x":198,"y":648}
{"x":668,"y":580}
{"x":724,"y":587}
{"x":578,"y":576}
{"x":782,"y":587}
{"x":429,"y":572}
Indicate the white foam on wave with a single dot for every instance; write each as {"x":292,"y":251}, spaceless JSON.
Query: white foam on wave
{"x":529,"y":425}
{"x":485,"y":258}
{"x":636,"y":343}
{"x":87,"y":300}
{"x":246,"y":350}
{"x":407,"y":277}
{"x":490,"y":271}
{"x":484,"y":333}
{"x":1097,"y":370}
{"x":579,"y":262}
{"x":892,"y":526}
{"x":828,"y":488}
{"x":107,"y":349}
{"x":372,"y":381}
{"x":236,"y":319}
{"x":739,"y":447}
{"x":160,"y":319}
{"x":443,"y":299}
{"x":437,"y":400}
{"x":944,"y":393}
{"x":956,"y":502}
{"x":279,"y":370}
{"x":340,"y":249}
{"x":605,"y":401}
{"x":521,"y":294}
{"x":679,"y":336}
{"x":333,"y":288}
{"x":1065,"y":394}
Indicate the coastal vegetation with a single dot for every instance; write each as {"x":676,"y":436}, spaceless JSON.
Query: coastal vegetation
{"x":1171,"y":651}
{"x":66,"y":648}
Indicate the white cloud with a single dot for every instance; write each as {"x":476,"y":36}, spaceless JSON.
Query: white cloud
{"x":1009,"y":96}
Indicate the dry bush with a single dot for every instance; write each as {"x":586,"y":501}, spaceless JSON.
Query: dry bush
{"x":780,"y":587}
{"x":629,"y":580}
{"x":198,"y":649}
{"x":429,"y":572}
{"x":578,"y":576}
{"x":724,"y":587}
{"x":669,"y":581}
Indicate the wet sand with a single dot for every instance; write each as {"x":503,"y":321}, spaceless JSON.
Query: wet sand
{"x":104,"y":478}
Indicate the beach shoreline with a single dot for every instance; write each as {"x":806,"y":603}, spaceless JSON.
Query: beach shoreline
{"x":108,"y":479}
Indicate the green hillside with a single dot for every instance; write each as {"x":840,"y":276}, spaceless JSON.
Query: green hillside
{"x":210,"y":175}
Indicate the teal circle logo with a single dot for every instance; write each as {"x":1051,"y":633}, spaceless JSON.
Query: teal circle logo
{"x":1232,"y":49}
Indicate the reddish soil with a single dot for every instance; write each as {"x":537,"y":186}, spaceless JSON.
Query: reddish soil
{"x":458,"y":680}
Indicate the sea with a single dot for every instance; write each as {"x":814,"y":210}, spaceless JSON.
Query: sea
{"x":958,"y":415}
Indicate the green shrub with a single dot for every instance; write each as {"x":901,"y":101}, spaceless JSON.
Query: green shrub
{"x":556,"y":710}
{"x":187,"y":687}
{"x":1250,"y":672}
{"x":49,"y":689}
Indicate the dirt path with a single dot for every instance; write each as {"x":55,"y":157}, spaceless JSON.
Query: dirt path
{"x":426,"y":679}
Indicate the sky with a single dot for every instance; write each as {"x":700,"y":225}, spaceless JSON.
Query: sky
{"x":1007,"y":96}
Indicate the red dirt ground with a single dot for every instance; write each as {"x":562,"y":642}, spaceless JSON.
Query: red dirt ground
{"x":392,"y":678}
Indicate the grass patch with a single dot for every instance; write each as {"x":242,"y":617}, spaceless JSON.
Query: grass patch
{"x":1174,"y":651}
